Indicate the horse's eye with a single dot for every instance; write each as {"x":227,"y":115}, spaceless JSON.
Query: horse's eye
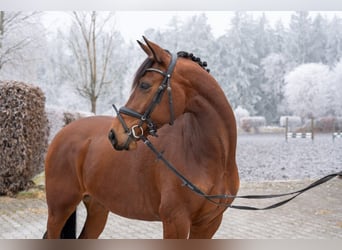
{"x":144,"y":85}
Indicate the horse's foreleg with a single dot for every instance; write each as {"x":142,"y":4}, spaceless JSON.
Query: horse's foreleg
{"x":205,"y":229}
{"x":177,"y":228}
{"x":176,"y":222}
{"x":62,"y":202}
{"x":56,"y":221}
{"x":96,"y":219}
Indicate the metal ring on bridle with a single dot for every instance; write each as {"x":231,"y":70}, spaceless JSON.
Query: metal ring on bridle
{"x":134,"y":134}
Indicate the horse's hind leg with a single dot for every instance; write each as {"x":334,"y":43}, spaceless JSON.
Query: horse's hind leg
{"x":96,"y":219}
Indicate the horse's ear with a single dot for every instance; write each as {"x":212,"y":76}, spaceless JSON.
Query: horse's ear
{"x":145,"y":48}
{"x":154,"y":51}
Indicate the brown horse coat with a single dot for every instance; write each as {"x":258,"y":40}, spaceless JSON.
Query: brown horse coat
{"x":81,"y":163}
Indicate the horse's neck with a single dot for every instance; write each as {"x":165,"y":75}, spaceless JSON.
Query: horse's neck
{"x":211,"y":120}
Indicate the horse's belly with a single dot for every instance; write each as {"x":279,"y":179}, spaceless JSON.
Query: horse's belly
{"x":132,"y":206}
{"x":137,"y":215}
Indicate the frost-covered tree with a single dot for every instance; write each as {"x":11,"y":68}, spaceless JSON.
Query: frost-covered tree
{"x":334,"y":41}
{"x":307,"y":90}
{"x":336,"y":89}
{"x":278,"y":37}
{"x":274,"y":66}
{"x":21,"y":40}
{"x":195,"y":36}
{"x":192,"y":35}
{"x":54,"y":81}
{"x":127,"y":59}
{"x":155,"y":35}
{"x":169,"y":37}
{"x":92,"y":42}
{"x":298,"y":42}
{"x":249,"y":60}
{"x":262,"y":37}
{"x":237,"y":59}
{"x":319,"y":39}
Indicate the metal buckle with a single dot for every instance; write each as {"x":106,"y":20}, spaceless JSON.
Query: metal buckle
{"x":134,"y":133}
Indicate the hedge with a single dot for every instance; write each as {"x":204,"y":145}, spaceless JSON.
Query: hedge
{"x":24,"y":134}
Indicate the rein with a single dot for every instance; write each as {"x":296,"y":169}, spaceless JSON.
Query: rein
{"x":211,"y":198}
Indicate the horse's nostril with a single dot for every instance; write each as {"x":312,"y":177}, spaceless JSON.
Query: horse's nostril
{"x":112,"y":137}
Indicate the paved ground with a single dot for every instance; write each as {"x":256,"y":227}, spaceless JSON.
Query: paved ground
{"x":316,"y":214}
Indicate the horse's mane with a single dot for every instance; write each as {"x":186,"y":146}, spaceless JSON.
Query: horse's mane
{"x":149,"y":62}
{"x":192,"y":57}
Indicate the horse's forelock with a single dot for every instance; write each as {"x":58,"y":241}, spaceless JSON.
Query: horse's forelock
{"x":141,"y":70}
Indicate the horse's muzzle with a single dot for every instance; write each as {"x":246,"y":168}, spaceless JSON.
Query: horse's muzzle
{"x":114,"y":141}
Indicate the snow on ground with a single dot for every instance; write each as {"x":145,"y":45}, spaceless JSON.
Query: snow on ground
{"x":270,"y":157}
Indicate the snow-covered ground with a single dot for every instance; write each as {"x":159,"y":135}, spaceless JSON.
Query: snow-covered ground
{"x":270,"y":157}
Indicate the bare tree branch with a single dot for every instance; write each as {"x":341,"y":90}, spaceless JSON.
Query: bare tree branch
{"x":14,"y":37}
{"x":92,"y":43}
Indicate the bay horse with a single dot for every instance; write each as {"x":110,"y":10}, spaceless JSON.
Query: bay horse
{"x":129,"y":180}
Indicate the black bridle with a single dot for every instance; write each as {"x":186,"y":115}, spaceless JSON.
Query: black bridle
{"x":136,"y":131}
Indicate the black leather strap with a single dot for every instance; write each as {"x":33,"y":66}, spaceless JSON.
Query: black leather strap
{"x":212,"y":198}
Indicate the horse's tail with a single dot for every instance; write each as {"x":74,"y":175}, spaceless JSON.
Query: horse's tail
{"x":69,"y":229}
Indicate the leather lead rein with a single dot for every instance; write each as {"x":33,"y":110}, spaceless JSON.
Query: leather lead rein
{"x":211,"y":198}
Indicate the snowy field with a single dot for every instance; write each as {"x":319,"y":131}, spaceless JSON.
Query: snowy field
{"x":270,"y":157}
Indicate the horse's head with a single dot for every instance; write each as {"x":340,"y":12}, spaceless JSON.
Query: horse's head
{"x":157,"y":98}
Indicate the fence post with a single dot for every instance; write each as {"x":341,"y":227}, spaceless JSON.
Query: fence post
{"x":312,"y":128}
{"x":286,"y":128}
